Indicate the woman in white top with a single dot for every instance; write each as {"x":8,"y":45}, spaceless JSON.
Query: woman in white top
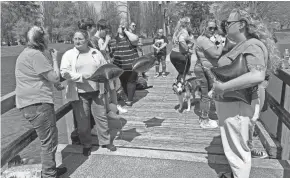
{"x":77,"y":66}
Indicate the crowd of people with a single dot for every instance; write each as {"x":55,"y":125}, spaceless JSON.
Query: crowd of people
{"x":37,"y":72}
{"x":250,"y":38}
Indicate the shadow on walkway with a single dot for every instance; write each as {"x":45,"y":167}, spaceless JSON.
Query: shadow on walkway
{"x":216,"y":161}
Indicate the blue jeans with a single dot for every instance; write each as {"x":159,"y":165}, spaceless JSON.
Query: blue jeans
{"x":90,"y":103}
{"x":206,"y":84}
{"x":160,"y":59}
{"x":42,"y":117}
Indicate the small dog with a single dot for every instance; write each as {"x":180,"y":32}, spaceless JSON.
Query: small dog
{"x":187,"y":90}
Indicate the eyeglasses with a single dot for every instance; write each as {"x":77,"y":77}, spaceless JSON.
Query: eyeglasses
{"x":230,"y":23}
{"x":134,"y":26}
{"x":212,"y":28}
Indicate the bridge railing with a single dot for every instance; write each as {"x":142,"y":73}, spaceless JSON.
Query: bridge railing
{"x":17,"y":145}
{"x":277,"y":118}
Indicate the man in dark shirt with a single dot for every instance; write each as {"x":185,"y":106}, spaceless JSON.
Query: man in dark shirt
{"x":159,"y":44}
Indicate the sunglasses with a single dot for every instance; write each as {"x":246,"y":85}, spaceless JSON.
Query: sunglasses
{"x":212,"y":28}
{"x":230,"y":23}
{"x":133,"y":25}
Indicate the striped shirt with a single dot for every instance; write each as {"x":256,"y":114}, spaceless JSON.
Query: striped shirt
{"x":124,"y":53}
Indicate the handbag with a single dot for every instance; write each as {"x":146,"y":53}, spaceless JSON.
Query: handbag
{"x":225,"y":73}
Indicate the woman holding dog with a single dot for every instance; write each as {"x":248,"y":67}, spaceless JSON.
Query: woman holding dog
{"x":208,"y":53}
{"x":77,"y":66}
{"x":256,"y":44}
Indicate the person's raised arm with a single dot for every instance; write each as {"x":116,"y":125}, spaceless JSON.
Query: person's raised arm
{"x":210,"y":49}
{"x":164,"y":44}
{"x":153,"y":45}
{"x":103,"y":45}
{"x":132,"y":37}
{"x":42,"y":66}
{"x":256,"y":74}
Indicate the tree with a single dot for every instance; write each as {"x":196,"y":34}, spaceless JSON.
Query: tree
{"x":196,"y":11}
{"x":267,"y":10}
{"x":20,"y":29}
{"x":11,"y":12}
{"x":109,"y":12}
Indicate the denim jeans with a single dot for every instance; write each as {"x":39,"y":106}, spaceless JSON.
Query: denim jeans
{"x":90,"y":103}
{"x":206,"y":85}
{"x":160,"y":59}
{"x":42,"y":117}
{"x":128,"y":81}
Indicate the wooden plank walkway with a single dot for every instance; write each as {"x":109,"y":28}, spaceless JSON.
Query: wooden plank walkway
{"x":153,"y":123}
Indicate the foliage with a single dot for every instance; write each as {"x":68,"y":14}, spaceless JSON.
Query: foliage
{"x":109,"y":12}
{"x":20,"y":29}
{"x":59,"y":18}
{"x":197,"y":11}
{"x":12,"y":12}
{"x":269,"y":11}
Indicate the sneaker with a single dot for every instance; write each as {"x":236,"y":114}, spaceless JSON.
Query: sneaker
{"x":121,"y":110}
{"x":87,"y":151}
{"x":226,"y":175}
{"x":258,"y":154}
{"x":60,"y":171}
{"x":156,"y":75}
{"x":110,"y":147}
{"x":208,"y":124}
{"x":163,"y":74}
{"x":129,"y":103}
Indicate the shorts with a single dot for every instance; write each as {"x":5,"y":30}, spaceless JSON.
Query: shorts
{"x":159,"y":58}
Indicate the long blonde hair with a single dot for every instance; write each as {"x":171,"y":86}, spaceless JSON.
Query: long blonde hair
{"x":255,"y":28}
{"x":181,"y":24}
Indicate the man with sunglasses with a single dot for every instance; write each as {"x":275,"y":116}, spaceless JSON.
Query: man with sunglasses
{"x":132,"y":29}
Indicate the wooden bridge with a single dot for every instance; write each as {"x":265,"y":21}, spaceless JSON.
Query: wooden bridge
{"x":154,"y":140}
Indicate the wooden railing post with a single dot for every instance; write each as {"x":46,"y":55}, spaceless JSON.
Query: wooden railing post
{"x":69,"y":117}
{"x":285,"y":131}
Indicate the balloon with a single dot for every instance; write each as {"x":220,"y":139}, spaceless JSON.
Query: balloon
{"x":143,"y":63}
{"x":106,"y":72}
